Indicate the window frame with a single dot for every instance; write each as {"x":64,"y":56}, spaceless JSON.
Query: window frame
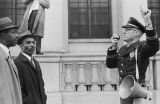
{"x":155,"y":12}
{"x":90,"y":38}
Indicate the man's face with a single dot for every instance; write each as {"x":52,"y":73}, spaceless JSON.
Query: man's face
{"x":129,"y":34}
{"x":28,"y":46}
{"x":11,"y":37}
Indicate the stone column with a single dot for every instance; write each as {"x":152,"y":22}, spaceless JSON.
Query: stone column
{"x":56,"y":28}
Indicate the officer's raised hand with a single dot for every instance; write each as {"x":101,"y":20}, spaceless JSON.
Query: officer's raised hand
{"x":146,"y":15}
{"x":114,"y":40}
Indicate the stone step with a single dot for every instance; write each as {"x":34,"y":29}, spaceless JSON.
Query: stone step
{"x":96,"y":97}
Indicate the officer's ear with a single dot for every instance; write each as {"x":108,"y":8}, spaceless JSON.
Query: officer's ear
{"x":137,"y":32}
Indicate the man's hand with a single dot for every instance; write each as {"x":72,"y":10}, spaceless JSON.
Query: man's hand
{"x":114,"y":39}
{"x":146,"y":15}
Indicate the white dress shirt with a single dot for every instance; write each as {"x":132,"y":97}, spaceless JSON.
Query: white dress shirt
{"x":29,"y":58}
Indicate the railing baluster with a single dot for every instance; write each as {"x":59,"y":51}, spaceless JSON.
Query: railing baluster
{"x":68,"y":77}
{"x":107,"y":79}
{"x":94,"y":68}
{"x":151,"y":73}
{"x":81,"y":77}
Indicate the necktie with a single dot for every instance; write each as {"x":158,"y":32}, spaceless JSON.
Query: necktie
{"x":137,"y":71}
{"x":32,"y":60}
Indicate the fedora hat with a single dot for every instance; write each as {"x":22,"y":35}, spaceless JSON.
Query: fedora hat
{"x":133,"y":23}
{"x":25,"y":35}
{"x":6,"y":23}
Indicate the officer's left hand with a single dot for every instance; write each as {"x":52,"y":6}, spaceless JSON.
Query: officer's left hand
{"x":146,"y":15}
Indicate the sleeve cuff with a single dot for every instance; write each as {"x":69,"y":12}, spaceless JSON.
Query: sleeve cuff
{"x":112,"y":51}
{"x":151,"y":34}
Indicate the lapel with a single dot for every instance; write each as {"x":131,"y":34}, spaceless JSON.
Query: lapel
{"x":36,"y":64}
{"x":3,"y":53}
{"x":26,"y":60}
{"x":10,"y":62}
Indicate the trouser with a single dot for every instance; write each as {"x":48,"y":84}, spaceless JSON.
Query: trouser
{"x":31,"y":20}
{"x":30,"y":27}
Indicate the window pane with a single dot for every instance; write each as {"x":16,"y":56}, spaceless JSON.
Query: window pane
{"x":20,"y":10}
{"x":100,"y":31}
{"x":13,"y":9}
{"x":100,"y":19}
{"x":89,"y":18}
{"x":79,"y":32}
{"x":154,"y":5}
{"x":7,"y":8}
{"x":78,"y":12}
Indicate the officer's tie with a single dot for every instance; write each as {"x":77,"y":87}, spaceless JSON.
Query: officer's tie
{"x":137,"y":71}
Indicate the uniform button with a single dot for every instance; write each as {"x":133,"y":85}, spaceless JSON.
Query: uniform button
{"x":121,"y":71}
{"x":122,"y":64}
{"x":120,"y":78}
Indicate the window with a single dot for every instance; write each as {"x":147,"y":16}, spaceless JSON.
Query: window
{"x":89,"y":19}
{"x":154,"y":5}
{"x":12,"y":8}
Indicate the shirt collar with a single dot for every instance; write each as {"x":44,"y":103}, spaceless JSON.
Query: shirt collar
{"x":4,"y":48}
{"x":28,"y":57}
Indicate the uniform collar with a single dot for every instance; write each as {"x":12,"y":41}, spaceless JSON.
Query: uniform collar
{"x":124,"y":50}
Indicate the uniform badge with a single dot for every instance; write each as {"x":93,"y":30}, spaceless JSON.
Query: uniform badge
{"x":132,"y":54}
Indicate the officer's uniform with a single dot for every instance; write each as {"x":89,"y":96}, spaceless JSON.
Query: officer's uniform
{"x":125,"y":59}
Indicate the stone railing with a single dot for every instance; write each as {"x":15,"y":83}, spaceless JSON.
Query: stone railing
{"x":88,"y":73}
{"x":85,"y":76}
{"x":92,"y":75}
{"x":84,"y":79}
{"x":84,"y":73}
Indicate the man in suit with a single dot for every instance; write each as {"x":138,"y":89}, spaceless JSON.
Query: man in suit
{"x":34,"y":19}
{"x":32,"y":84}
{"x":134,"y":52}
{"x":10,"y":90}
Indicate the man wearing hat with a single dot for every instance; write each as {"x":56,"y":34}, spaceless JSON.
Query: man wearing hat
{"x":134,"y":53}
{"x":32,"y":84}
{"x":10,"y":89}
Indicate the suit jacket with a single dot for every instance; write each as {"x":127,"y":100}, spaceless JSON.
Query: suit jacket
{"x":32,"y":84}
{"x":125,"y":59}
{"x":10,"y":91}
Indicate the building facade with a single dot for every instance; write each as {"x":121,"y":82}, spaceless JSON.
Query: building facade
{"x":77,"y":35}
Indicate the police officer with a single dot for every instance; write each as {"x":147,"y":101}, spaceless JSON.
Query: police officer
{"x":134,"y":52}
